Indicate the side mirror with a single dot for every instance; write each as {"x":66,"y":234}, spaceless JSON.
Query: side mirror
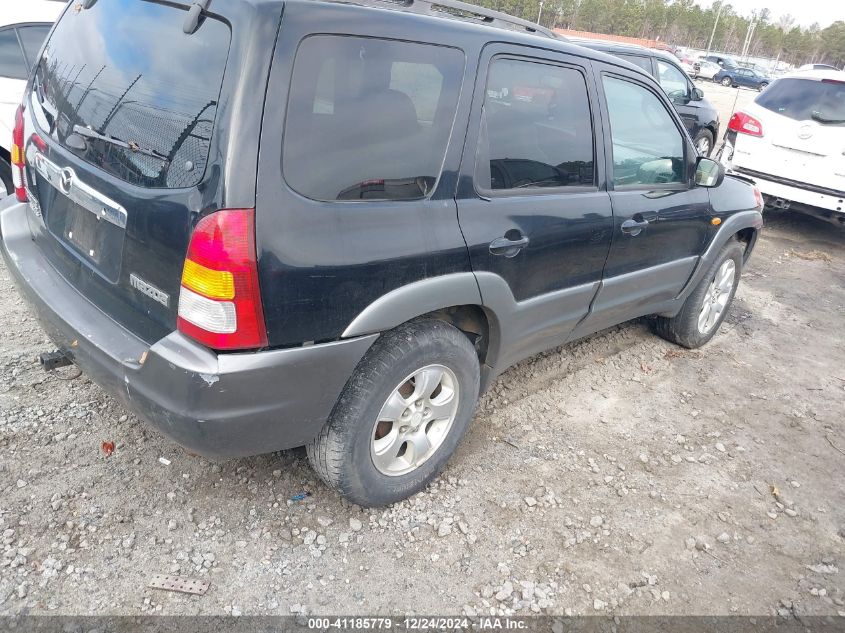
{"x":708,"y":172}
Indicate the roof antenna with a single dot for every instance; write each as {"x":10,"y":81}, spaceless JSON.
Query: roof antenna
{"x":192,"y":20}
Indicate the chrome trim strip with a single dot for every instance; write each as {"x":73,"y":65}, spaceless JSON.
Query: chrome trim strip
{"x":66,"y":182}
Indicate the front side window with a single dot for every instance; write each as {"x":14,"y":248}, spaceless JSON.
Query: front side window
{"x":648,"y":148}
{"x":672,"y":80}
{"x":12,"y":64}
{"x":369,"y":119}
{"x":536,"y":129}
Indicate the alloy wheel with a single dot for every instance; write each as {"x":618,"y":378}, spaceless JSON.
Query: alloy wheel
{"x":414,"y":420}
{"x":717,"y":296}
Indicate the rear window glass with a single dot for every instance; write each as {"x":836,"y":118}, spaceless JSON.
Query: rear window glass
{"x":805,"y":99}
{"x":135,"y":94}
{"x":369,"y":119}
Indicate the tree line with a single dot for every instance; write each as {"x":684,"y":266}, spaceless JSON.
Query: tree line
{"x":684,"y":23}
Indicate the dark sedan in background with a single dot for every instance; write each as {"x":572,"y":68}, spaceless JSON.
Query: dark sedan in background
{"x":747,"y":77}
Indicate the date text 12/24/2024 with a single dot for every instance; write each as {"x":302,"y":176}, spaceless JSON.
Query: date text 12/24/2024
{"x":417,"y":623}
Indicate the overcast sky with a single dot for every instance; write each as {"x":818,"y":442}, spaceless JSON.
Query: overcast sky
{"x":805,"y":12}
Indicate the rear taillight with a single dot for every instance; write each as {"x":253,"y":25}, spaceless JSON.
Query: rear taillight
{"x":18,"y":162}
{"x":745,"y":124}
{"x":758,"y":198}
{"x":220,"y":301}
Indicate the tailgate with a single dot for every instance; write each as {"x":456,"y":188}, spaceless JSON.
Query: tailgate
{"x":119,"y":126}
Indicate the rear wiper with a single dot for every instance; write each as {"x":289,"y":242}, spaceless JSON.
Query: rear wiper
{"x":132,"y":146}
{"x":816,"y":116}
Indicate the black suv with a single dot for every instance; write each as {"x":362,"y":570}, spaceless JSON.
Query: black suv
{"x":700,"y":118}
{"x":335,"y":225}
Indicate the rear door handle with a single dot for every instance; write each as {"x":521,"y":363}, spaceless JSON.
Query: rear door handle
{"x":634,"y":227}
{"x":508,"y":247}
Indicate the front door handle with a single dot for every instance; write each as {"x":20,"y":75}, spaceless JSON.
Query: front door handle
{"x":508,"y":247}
{"x":634,"y":227}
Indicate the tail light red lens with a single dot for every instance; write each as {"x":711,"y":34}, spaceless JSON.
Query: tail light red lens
{"x":220,"y":300}
{"x":18,"y":161}
{"x":758,"y":198}
{"x":745,"y":124}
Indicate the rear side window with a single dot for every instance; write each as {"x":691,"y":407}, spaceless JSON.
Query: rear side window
{"x":12,"y":64}
{"x":537,"y":130}
{"x":648,"y":148}
{"x":805,"y":99}
{"x":32,"y":38}
{"x":369,"y":119}
{"x":638,"y":60}
{"x":124,"y":73}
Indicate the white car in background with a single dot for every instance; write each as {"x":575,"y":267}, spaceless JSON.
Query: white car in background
{"x":23,"y":26}
{"x":818,"y":67}
{"x":689,"y":69}
{"x":791,"y":143}
{"x":707,"y":70}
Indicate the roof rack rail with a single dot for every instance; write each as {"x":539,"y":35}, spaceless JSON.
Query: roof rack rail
{"x":458,"y":10}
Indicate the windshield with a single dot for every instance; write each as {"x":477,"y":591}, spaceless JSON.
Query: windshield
{"x":806,"y":99}
{"x":124,"y":88}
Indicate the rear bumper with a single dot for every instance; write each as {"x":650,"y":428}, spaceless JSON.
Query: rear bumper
{"x":787,"y":194}
{"x":224,"y":405}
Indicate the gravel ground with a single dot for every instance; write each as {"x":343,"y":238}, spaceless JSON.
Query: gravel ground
{"x":618,"y":474}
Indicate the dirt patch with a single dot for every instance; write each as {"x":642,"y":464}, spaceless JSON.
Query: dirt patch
{"x":810,"y":256}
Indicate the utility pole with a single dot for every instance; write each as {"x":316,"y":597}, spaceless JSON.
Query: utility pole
{"x":749,"y":35}
{"x":540,"y":14}
{"x":715,"y":24}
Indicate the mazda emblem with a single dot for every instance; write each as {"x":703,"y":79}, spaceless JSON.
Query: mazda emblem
{"x":805,"y":132}
{"x":66,"y":180}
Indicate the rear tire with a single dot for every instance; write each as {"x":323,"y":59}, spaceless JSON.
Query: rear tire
{"x":727,"y":82}
{"x":713,"y":291}
{"x":6,"y":177}
{"x":373,"y":449}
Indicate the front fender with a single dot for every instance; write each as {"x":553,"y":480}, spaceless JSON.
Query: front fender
{"x":733,"y":224}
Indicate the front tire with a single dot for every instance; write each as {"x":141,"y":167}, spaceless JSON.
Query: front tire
{"x":704,"y":142}
{"x":707,"y":306}
{"x":762,"y":86}
{"x":401,"y":415}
